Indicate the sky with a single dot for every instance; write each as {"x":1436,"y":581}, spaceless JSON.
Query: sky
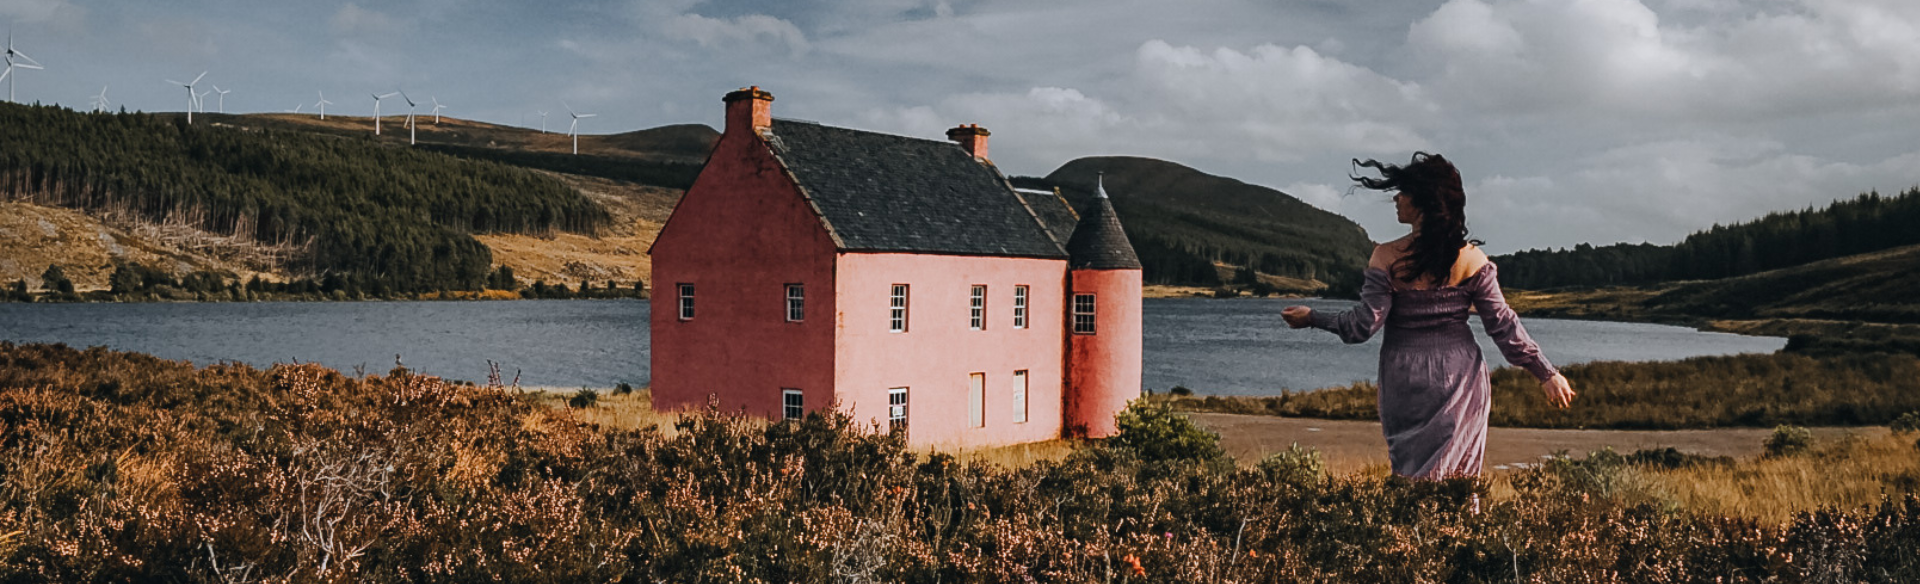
{"x":1572,"y":121}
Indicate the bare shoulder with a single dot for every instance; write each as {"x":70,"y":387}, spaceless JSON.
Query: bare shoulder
{"x":1472,"y":260}
{"x":1384,"y":255}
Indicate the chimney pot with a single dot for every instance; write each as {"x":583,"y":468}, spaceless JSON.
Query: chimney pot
{"x":971,"y":137}
{"x":748,"y":109}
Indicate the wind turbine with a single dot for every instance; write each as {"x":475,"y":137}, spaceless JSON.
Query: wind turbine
{"x":543,"y":122}
{"x":223,"y":97}
{"x":296,"y":108}
{"x":323,"y":105}
{"x":15,"y":59}
{"x":573,"y":129}
{"x":100,"y":101}
{"x":200,"y":99}
{"x":191,"y":99}
{"x":410,"y":127}
{"x":376,"y":110}
{"x":436,"y":110}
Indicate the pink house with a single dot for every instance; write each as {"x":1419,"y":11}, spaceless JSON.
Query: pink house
{"x":902,"y":280}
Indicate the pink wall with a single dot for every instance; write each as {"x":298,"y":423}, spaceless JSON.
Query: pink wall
{"x":938,"y":351}
{"x":1106,"y":364}
{"x":740,"y":235}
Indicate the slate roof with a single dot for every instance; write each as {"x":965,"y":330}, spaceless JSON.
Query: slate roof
{"x":1053,"y":210}
{"x":1099,"y":243}
{"x":881,"y":192}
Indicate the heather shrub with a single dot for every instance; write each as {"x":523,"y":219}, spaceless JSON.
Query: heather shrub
{"x":119,"y":467}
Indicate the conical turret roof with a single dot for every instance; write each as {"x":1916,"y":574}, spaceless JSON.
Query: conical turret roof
{"x":1098,"y":242}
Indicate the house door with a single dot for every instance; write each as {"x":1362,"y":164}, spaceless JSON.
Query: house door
{"x":977,"y":400}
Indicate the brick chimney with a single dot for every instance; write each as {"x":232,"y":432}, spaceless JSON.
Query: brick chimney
{"x":971,"y":137}
{"x":747,"y":109}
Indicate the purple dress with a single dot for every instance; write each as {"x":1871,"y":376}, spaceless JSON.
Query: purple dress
{"x":1434,"y":392}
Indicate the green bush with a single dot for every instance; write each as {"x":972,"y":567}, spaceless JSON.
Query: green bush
{"x":1153,"y":431}
{"x":583,"y":399}
{"x":1907,"y":423}
{"x":1295,"y":466}
{"x":1789,"y":440}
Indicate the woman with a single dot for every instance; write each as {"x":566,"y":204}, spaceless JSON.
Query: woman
{"x":1434,"y":391}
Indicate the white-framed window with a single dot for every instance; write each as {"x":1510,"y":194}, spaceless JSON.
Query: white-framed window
{"x":1083,"y":314}
{"x":1019,"y":307}
{"x":976,"y":400}
{"x":796,"y":302}
{"x":793,"y":404}
{"x":897,"y":409}
{"x":1020,"y":396}
{"x":686,"y":302}
{"x":897,"y":309}
{"x":977,"y":315}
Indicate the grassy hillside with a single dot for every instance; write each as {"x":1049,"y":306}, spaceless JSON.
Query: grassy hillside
{"x":1183,"y":221}
{"x":371,"y":213}
{"x":1879,"y":287}
{"x":1864,"y":224}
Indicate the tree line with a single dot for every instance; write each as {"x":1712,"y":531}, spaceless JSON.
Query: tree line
{"x":358,"y":208}
{"x":1867,"y":223}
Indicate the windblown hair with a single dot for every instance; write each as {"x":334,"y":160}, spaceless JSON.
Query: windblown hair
{"x":1432,"y":186}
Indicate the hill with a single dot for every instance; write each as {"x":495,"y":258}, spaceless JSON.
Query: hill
{"x":1189,"y":226}
{"x":364,"y":212}
{"x":1866,"y":223}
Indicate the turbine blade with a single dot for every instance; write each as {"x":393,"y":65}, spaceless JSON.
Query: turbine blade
{"x":588,"y":115}
{"x":175,"y":82}
{"x":197,"y":79}
{"x":24,"y":57}
{"x":216,"y":89}
{"x":4,"y":74}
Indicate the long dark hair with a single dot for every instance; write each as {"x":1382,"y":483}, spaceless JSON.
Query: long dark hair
{"x":1432,"y":186}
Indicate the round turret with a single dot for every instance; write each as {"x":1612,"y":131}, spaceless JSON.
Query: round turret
{"x":1103,"y":321}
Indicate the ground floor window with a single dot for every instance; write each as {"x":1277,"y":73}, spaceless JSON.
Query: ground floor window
{"x":897,"y":409}
{"x":1019,"y":397}
{"x":793,"y":404}
{"x":977,"y":400}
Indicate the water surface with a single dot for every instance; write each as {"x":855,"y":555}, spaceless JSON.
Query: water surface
{"x":1237,"y":346}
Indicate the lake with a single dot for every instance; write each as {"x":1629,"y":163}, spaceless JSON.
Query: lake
{"x":1236,"y":347}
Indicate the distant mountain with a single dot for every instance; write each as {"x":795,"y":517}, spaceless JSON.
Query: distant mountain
{"x":1184,"y":222}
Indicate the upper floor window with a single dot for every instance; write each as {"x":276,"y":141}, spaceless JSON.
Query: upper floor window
{"x":978,"y":314}
{"x":1083,"y":314}
{"x":897,"y":409}
{"x":686,"y":302}
{"x":793,"y":404}
{"x":1019,"y":307}
{"x":897,"y":309}
{"x":796,"y":302}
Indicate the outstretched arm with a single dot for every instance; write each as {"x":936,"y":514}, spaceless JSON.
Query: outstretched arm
{"x":1359,"y":324}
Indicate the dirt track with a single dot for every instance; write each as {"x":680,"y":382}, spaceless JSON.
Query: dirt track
{"x":1350,"y":446}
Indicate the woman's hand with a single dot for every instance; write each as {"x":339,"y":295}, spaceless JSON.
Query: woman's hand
{"x":1559,"y":393}
{"x":1298,"y":316}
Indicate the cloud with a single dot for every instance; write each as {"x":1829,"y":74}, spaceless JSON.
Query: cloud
{"x":352,"y":20}
{"x":1620,"y":58}
{"x":748,"y":30}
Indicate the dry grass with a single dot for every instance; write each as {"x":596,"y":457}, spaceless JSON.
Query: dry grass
{"x":631,"y":411}
{"x":1019,"y":455}
{"x":1849,"y":474}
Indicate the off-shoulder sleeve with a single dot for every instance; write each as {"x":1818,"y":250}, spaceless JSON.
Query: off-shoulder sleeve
{"x":1357,"y":325}
{"x":1504,"y":326}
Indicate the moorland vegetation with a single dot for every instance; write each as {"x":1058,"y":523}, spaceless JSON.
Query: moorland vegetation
{"x":122,"y":467}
